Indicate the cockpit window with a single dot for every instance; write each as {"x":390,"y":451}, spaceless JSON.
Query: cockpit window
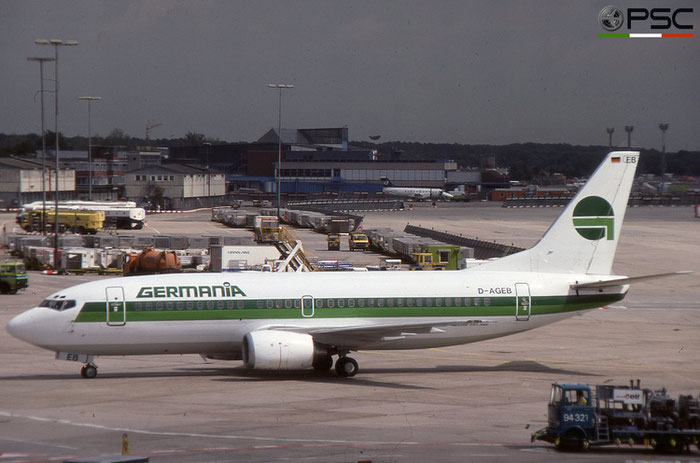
{"x":58,"y":304}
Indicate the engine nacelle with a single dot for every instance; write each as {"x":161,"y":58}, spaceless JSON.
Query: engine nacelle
{"x":281,"y":350}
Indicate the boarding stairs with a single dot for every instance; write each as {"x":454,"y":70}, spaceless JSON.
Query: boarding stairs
{"x":292,"y":252}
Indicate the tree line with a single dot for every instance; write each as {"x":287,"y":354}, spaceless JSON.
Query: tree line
{"x":525,"y":161}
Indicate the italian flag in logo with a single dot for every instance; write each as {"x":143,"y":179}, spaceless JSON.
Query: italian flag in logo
{"x":647,"y":36}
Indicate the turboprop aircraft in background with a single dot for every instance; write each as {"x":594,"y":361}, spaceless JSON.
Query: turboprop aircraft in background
{"x":291,"y":321}
{"x":413,"y":192}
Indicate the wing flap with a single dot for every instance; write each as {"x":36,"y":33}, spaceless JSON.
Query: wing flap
{"x":352,"y":337}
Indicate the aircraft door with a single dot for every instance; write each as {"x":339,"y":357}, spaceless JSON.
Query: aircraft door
{"x":116,"y":308}
{"x":307,"y":306}
{"x":523,"y":301}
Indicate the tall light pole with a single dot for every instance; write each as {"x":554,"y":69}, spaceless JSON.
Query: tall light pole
{"x":610,"y":131}
{"x":629,"y":129}
{"x":279,"y":140}
{"x":664,"y":128}
{"x":89,"y":100}
{"x":208,"y":145}
{"x":41,"y":62}
{"x":56,"y":43}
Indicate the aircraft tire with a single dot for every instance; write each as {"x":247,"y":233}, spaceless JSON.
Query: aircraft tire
{"x":88,"y":371}
{"x":346,"y":367}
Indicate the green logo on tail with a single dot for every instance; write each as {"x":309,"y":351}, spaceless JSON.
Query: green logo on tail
{"x":594,"y":219}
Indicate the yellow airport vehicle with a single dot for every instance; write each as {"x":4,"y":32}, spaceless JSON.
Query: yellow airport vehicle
{"x":333,"y":240}
{"x":76,"y":221}
{"x":425,"y":261}
{"x":358,"y":241}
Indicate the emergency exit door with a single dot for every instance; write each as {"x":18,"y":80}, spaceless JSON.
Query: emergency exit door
{"x":116,"y":309}
{"x":522,"y":301}
{"x":307,"y":306}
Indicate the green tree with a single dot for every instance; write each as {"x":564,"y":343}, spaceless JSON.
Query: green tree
{"x":63,"y":142}
{"x":117,"y":137}
{"x":194,"y":138}
{"x":157,"y":197}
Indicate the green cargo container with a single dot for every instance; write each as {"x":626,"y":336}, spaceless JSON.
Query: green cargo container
{"x":447,"y":254}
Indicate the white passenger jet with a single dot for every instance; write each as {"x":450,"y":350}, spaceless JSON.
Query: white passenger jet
{"x":291,"y":321}
{"x":413,"y":192}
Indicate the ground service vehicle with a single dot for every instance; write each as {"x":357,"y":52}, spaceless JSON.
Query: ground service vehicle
{"x":13,"y":277}
{"x":68,"y":220}
{"x":333,"y":240}
{"x":150,"y":261}
{"x":620,"y":415}
{"x":267,"y":229}
{"x":426,"y":261}
{"x":358,"y":241}
{"x":117,"y":214}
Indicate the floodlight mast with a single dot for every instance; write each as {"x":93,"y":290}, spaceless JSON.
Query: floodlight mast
{"x":664,"y":128}
{"x":89,"y":100}
{"x":41,"y":62}
{"x":629,"y":129}
{"x":279,"y":140}
{"x":610,"y":131}
{"x":56,"y":43}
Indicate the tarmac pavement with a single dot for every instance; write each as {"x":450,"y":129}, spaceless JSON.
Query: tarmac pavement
{"x":477,"y":402}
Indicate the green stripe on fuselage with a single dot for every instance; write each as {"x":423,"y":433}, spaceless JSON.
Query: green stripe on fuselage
{"x":478,"y":307}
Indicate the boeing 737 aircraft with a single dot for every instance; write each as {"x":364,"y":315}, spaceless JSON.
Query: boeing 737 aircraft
{"x":413,"y":192}
{"x":287,"y":321}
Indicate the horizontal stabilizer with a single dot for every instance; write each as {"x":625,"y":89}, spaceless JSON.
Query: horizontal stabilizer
{"x":628,"y":280}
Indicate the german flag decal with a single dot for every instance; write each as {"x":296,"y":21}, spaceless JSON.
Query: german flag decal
{"x":615,"y":159}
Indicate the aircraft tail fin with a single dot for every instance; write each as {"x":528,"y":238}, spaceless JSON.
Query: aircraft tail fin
{"x":583,"y":239}
{"x":386,"y":181}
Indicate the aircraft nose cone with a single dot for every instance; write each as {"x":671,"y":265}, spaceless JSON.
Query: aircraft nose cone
{"x":21,"y":326}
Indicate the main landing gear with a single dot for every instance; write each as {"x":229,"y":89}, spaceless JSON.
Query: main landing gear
{"x":89,"y":370}
{"x":346,"y":366}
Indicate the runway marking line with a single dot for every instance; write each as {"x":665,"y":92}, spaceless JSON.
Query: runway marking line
{"x":291,"y":442}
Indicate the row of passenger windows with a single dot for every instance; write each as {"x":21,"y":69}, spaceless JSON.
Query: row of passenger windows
{"x":318,"y":303}
{"x":404,"y":302}
{"x":189,"y":305}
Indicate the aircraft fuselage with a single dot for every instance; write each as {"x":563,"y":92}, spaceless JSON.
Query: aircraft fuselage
{"x":211,"y":313}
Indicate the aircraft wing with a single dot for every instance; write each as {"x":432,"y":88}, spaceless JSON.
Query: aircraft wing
{"x":353,"y":337}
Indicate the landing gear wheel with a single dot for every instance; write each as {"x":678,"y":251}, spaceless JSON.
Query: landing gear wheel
{"x":88,"y":371}
{"x":346,"y":367}
{"x":325,"y":364}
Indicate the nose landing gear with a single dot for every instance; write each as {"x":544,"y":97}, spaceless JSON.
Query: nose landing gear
{"x":88,"y":370}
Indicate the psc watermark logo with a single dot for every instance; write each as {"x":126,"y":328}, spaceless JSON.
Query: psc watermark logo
{"x":594,"y":219}
{"x":611,"y":18}
{"x":671,"y":23}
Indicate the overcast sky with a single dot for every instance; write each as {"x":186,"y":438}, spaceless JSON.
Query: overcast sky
{"x":456,"y":72}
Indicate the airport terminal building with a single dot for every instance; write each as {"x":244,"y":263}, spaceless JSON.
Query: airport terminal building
{"x":317,"y":160}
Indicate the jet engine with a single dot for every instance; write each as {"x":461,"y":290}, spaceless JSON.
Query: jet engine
{"x":282,"y":350}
